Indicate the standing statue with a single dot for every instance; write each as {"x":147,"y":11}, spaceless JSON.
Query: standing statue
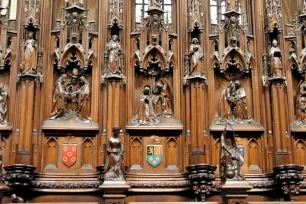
{"x":196,"y":55}
{"x":114,"y":56}
{"x":114,"y":166}
{"x":144,"y":111}
{"x":238,"y":101}
{"x":29,"y":54}
{"x":60,"y":97}
{"x":3,"y":105}
{"x":225,"y":111}
{"x":162,"y":100}
{"x":275,"y":60}
{"x":301,"y":103}
{"x":229,"y":157}
{"x":84,"y":94}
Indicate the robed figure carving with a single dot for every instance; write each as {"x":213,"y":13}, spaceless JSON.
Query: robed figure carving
{"x":3,"y":105}
{"x":29,"y":54}
{"x":232,"y":105}
{"x":162,"y":99}
{"x":301,"y":103}
{"x":60,"y":96}
{"x":275,"y":60}
{"x":114,"y":53}
{"x":229,"y":157}
{"x":196,"y":56}
{"x":71,"y":95}
{"x":114,"y":166}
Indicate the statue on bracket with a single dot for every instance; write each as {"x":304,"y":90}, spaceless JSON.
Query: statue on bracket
{"x":275,"y":60}
{"x":29,"y":64}
{"x":71,"y":93}
{"x":155,"y":4}
{"x":113,"y":64}
{"x":232,"y":105}
{"x":114,"y":166}
{"x":144,"y":111}
{"x":3,"y":104}
{"x":196,"y":55}
{"x":229,"y":157}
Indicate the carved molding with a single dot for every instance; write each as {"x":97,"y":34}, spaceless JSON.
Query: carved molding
{"x":159,"y":184}
{"x":66,"y":185}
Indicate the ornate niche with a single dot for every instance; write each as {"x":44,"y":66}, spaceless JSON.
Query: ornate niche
{"x":153,"y":129}
{"x":70,"y":141}
{"x":154,"y":64}
{"x":233,"y":62}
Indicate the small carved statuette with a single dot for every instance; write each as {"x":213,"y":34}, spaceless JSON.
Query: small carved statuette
{"x":196,"y":56}
{"x":71,"y":95}
{"x":114,"y":51}
{"x":145,"y":111}
{"x":3,"y":105}
{"x":155,"y":4}
{"x":29,"y":54}
{"x":275,"y":60}
{"x":232,"y":105}
{"x":230,"y":162}
{"x":114,"y":166}
{"x":16,"y":199}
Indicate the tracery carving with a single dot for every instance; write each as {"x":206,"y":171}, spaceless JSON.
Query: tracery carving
{"x":274,"y":14}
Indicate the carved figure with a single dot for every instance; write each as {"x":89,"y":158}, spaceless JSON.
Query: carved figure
{"x":238,"y":101}
{"x":162,"y":99}
{"x":60,"y":97}
{"x":301,"y":103}
{"x":114,"y":51}
{"x":229,"y":155}
{"x":3,"y":105}
{"x":224,"y":106}
{"x":71,"y":96}
{"x":196,"y":55}
{"x":29,"y":54}
{"x":114,"y":166}
{"x":232,"y":104}
{"x":16,"y":199}
{"x":275,"y":60}
{"x":144,"y":111}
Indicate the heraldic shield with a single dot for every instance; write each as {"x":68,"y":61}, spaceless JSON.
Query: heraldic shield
{"x":154,"y":155}
{"x":69,"y":154}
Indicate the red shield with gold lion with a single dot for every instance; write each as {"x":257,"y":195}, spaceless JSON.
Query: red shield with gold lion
{"x":69,"y":154}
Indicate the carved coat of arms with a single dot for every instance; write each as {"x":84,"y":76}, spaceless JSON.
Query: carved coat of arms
{"x":69,"y":154}
{"x":154,"y":154}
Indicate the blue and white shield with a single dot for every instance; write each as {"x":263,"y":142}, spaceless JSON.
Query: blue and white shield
{"x":154,"y":155}
{"x":241,"y":155}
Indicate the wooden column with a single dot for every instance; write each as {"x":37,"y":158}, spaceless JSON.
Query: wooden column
{"x":281,"y":141}
{"x":27,"y":94}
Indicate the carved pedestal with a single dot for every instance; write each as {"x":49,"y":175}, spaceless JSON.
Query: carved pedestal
{"x":288,"y":179}
{"x":114,"y":191}
{"x":234,"y":192}
{"x":201,"y":176}
{"x":20,"y":178}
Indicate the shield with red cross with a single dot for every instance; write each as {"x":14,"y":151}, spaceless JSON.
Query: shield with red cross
{"x":69,"y":154}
